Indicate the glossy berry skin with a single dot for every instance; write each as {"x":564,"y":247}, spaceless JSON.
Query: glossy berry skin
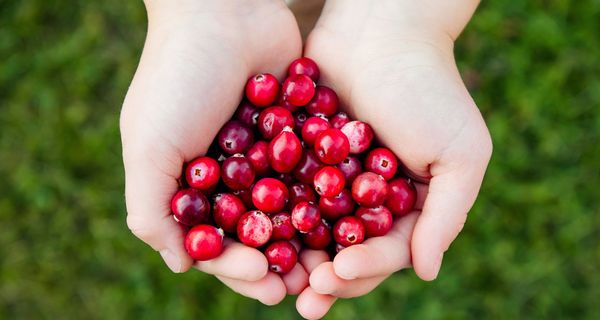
{"x":247,"y":113}
{"x":262,"y":89}
{"x":333,"y":208}
{"x":383,"y":162}
{"x":306,"y":216}
{"x":307,"y":167}
{"x":298,"y":89}
{"x":235,"y":137}
{"x":281,"y":256}
{"x":329,"y":181}
{"x":204,"y":242}
{"x":257,"y":154}
{"x":285,"y":151}
{"x":324,"y":103}
{"x":402,"y":196}
{"x":339,"y":119}
{"x":349,"y":231}
{"x":254,"y":228}
{"x":202,"y":173}
{"x":305,"y":66}
{"x":190,"y":207}
{"x":299,"y":121}
{"x":272,"y":120}
{"x":332,"y":146}
{"x":319,"y":238}
{"x":300,"y":192}
{"x":312,"y":128}
{"x":237,"y":172}
{"x":377,"y":221}
{"x":282,"y":227}
{"x":227,"y":210}
{"x":360,"y":135}
{"x":351,"y":167}
{"x":369,"y":189}
{"x":269,"y":195}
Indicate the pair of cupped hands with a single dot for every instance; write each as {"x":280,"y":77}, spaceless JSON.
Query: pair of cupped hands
{"x":392,"y":65}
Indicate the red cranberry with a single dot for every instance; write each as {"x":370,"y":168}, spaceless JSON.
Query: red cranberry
{"x":351,"y":168}
{"x":272,"y":120}
{"x":299,"y":121}
{"x":369,"y":189}
{"x":359,"y":135}
{"x":305,"y":66}
{"x":285,"y":151}
{"x":204,"y":242}
{"x":246,"y":197}
{"x":262,"y":89}
{"x":247,"y":113}
{"x":269,"y":195}
{"x":306,"y":216}
{"x":282,"y":257}
{"x":319,"y":238}
{"x":333,"y":208}
{"x":235,"y":137}
{"x":332,"y":146}
{"x":300,"y":192}
{"x":324,"y":103}
{"x":349,"y":231}
{"x":298,"y":89}
{"x":238,"y":173}
{"x":402,"y":196}
{"x":190,"y":207}
{"x":329,"y":181}
{"x":339,"y":119}
{"x":257,"y":154}
{"x":282,"y":226}
{"x":307,"y":167}
{"x":254,"y":228}
{"x":312,"y":128}
{"x":202,"y":173}
{"x":382,"y":161}
{"x":227,"y":210}
{"x":286,"y":104}
{"x":377,"y":221}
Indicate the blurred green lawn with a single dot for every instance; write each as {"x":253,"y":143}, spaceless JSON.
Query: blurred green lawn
{"x":531,"y":248}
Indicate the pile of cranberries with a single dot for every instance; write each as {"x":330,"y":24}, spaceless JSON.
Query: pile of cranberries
{"x":290,"y":171}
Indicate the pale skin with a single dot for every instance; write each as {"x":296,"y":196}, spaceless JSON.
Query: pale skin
{"x":391,"y":63}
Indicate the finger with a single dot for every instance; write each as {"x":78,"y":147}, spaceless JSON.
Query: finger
{"x":312,"y":305}
{"x":296,"y":280}
{"x":378,"y":256}
{"x":324,"y":281}
{"x":269,"y":290}
{"x":237,"y":261}
{"x":310,"y":259}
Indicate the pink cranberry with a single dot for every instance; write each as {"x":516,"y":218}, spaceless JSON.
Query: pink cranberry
{"x":377,"y":221}
{"x":305,"y":66}
{"x":329,"y":181}
{"x":351,"y":167}
{"x":369,"y":189}
{"x":235,"y":137}
{"x":269,"y":195}
{"x":359,"y":135}
{"x":246,"y":196}
{"x":333,"y":208}
{"x":227,"y":210}
{"x":282,"y":227}
{"x":272,"y":120}
{"x":190,"y":207}
{"x":312,"y":128}
{"x":319,"y":238}
{"x":339,"y":119}
{"x":349,"y":231}
{"x":204,"y":242}
{"x":382,"y":161}
{"x":301,"y":192}
{"x":285,"y":151}
{"x":307,"y":167}
{"x":254,"y":228}
{"x":402,"y":196}
{"x":299,"y":121}
{"x":332,"y":146}
{"x":306,"y":216}
{"x":298,"y":89}
{"x":202,"y":173}
{"x":247,"y":113}
{"x":324,"y":103}
{"x":262,"y":89}
{"x":257,"y":154}
{"x":238,"y":172}
{"x":282,"y":257}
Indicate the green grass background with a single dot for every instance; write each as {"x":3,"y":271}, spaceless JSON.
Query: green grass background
{"x":530,"y":249}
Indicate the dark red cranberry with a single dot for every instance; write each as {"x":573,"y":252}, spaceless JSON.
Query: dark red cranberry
{"x":257,"y":154}
{"x":351,"y":168}
{"x":333,"y":208}
{"x":254,"y":228}
{"x":247,"y":113}
{"x":306,"y":216}
{"x":272,"y":120}
{"x":307,"y":167}
{"x":301,"y":192}
{"x":296,"y":243}
{"x":246,"y":196}
{"x":202,"y":173}
{"x":402,"y":196}
{"x":282,"y":227}
{"x":298,"y":89}
{"x":332,"y":146}
{"x":324,"y":103}
{"x":285,"y":151}
{"x":262,"y":89}
{"x":304,"y":66}
{"x":349,"y":231}
{"x":299,"y":121}
{"x":238,"y":172}
{"x":377,"y":221}
{"x":190,"y":207}
{"x":282,"y":257}
{"x":329,"y":182}
{"x":359,"y":135}
{"x":369,"y":189}
{"x":286,"y":178}
{"x":319,"y":238}
{"x":235,"y":137}
{"x":227,"y":210}
{"x":204,"y":242}
{"x":269,"y":195}
{"x":339,"y":119}
{"x":382,"y":161}
{"x":312,"y":128}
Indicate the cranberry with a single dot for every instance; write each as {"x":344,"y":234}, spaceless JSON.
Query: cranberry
{"x":247,"y":113}
{"x":272,"y":120}
{"x":382,"y":161}
{"x":369,"y":189}
{"x":254,"y":228}
{"x":246,"y":197}
{"x":202,"y":173}
{"x":333,"y":208}
{"x":305,"y":66}
{"x":282,"y":257}
{"x":312,"y":128}
{"x":238,"y":172}
{"x":262,"y":89}
{"x":319,"y":238}
{"x":402,"y":196}
{"x":329,"y":181}
{"x":269,"y":195}
{"x":359,"y":134}
{"x":377,"y":221}
{"x":332,"y":146}
{"x":227,"y":210}
{"x":307,"y":167}
{"x":324,"y":103}
{"x":349,"y":231}
{"x":204,"y":242}
{"x":285,"y":151}
{"x":190,"y":207}
{"x":235,"y":137}
{"x":282,"y":226}
{"x":306,"y":216}
{"x":351,"y":167}
{"x":286,"y":104}
{"x":257,"y":154}
{"x":299,"y":121}
{"x":339,"y":119}
{"x":298,"y":89}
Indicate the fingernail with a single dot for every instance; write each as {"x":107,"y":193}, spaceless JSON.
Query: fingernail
{"x":171,"y":260}
{"x":438,"y":265}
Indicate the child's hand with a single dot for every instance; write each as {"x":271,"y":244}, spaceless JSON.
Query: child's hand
{"x":196,"y":60}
